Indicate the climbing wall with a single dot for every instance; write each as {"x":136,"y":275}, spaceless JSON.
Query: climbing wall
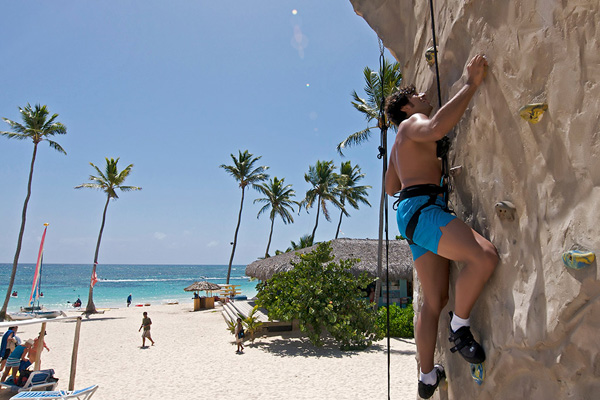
{"x":532,"y":188}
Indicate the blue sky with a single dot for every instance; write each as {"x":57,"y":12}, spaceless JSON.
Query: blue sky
{"x":174,"y":87}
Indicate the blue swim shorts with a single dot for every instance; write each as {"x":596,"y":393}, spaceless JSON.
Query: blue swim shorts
{"x":428,"y":231}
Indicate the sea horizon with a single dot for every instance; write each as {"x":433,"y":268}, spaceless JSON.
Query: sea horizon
{"x":63,"y":284}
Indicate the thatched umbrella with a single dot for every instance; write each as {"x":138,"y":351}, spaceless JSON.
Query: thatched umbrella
{"x":400,"y":259}
{"x":202,"y":286}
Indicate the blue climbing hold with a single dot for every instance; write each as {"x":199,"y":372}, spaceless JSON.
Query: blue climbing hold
{"x":478,"y":372}
{"x":578,"y":259}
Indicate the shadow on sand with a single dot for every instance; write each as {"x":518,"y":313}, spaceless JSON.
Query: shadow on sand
{"x":298,"y":346}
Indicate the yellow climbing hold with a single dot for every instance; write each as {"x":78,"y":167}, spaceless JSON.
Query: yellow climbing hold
{"x":578,"y":259}
{"x":430,"y":56}
{"x":533,"y":112}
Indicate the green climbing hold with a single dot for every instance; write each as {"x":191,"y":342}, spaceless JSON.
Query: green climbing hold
{"x":533,"y":112}
{"x":478,"y":372}
{"x":578,"y":259}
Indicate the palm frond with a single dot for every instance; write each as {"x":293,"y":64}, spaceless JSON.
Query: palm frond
{"x":56,"y":146}
{"x":354,"y":139}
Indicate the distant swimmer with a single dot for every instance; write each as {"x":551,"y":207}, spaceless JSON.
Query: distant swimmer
{"x":436,"y":235}
{"x":129,"y":300}
{"x":77,"y":303}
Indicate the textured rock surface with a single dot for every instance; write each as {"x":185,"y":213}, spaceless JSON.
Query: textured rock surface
{"x":538,"y":320}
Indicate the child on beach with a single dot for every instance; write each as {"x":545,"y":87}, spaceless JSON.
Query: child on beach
{"x":14,"y":360}
{"x":146,"y":322}
{"x":239,"y":336}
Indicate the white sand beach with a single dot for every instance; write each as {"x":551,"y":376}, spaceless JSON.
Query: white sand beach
{"x":194,"y":357}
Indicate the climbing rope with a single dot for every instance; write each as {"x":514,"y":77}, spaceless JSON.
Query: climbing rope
{"x":443,"y":146}
{"x":383,"y":156}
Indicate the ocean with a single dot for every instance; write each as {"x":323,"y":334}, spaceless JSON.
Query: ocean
{"x":62,"y":284}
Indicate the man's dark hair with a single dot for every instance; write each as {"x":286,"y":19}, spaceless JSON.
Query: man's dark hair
{"x":396,"y":101}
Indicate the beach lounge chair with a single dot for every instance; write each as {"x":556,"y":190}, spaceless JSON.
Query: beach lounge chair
{"x":81,"y":394}
{"x":38,"y":380}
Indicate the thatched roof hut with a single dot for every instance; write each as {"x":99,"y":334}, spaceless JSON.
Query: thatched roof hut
{"x":202,"y":286}
{"x":400,"y":259}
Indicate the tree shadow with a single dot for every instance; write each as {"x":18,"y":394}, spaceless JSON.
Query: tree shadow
{"x":302,"y":347}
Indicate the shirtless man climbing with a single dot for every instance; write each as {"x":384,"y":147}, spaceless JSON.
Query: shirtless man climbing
{"x":436,"y":236}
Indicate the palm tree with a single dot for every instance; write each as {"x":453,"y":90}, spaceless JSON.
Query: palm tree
{"x":245,"y":173}
{"x":303,"y":242}
{"x":279,"y":200}
{"x":37,"y":127}
{"x":349,"y":191}
{"x":108,"y":181}
{"x":324,"y":181}
{"x":377,"y":88}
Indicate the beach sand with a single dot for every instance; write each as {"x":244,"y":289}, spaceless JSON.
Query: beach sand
{"x":194,"y":357}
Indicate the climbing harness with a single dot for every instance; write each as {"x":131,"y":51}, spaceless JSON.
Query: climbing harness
{"x":433,"y":191}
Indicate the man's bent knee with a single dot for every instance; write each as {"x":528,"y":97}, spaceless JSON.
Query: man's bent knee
{"x":435,"y":304}
{"x":490,"y":260}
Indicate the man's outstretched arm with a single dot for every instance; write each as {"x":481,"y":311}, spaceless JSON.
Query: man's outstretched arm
{"x":423,"y":129}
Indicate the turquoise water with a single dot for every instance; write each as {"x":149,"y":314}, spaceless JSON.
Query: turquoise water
{"x":62,"y":284}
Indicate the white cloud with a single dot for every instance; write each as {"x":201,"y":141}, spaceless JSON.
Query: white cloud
{"x":212,"y":243}
{"x":159,"y":235}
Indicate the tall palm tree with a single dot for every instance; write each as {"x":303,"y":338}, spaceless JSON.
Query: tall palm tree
{"x":279,"y":200}
{"x":245,"y":173}
{"x":324,"y":181}
{"x":37,"y":126}
{"x":108,"y":181}
{"x":377,"y":88}
{"x":349,"y":191}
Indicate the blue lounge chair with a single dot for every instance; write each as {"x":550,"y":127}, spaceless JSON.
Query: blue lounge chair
{"x":82,"y":394}
{"x":38,"y":380}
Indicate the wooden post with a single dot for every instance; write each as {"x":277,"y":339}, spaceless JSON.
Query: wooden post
{"x":40,"y":347}
{"x":74,"y":355}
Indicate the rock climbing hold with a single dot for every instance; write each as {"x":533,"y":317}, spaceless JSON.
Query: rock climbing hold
{"x":577,"y":259}
{"x":506,"y":210}
{"x":455,"y":171}
{"x":478,"y":372}
{"x":533,"y":112}
{"x":430,"y":56}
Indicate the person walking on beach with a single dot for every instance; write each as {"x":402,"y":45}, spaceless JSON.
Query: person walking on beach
{"x":7,"y":345}
{"x":129,"y":300}
{"x":239,"y":336}
{"x":33,"y":350}
{"x":146,"y":322}
{"x":435,"y":235}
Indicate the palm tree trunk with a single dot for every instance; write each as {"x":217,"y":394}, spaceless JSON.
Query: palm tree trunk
{"x":237,"y":228}
{"x":340,"y":223}
{"x":317,"y":220}
{"x":20,"y":239}
{"x":91,"y":308}
{"x":270,"y":235}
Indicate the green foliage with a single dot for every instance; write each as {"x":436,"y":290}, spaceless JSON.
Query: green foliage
{"x":231,"y":326}
{"x":252,"y":323}
{"x":401,"y":321}
{"x":324,"y":297}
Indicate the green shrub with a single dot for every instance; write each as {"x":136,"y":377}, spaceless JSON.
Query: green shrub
{"x":401,"y":321}
{"x":324,"y":297}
